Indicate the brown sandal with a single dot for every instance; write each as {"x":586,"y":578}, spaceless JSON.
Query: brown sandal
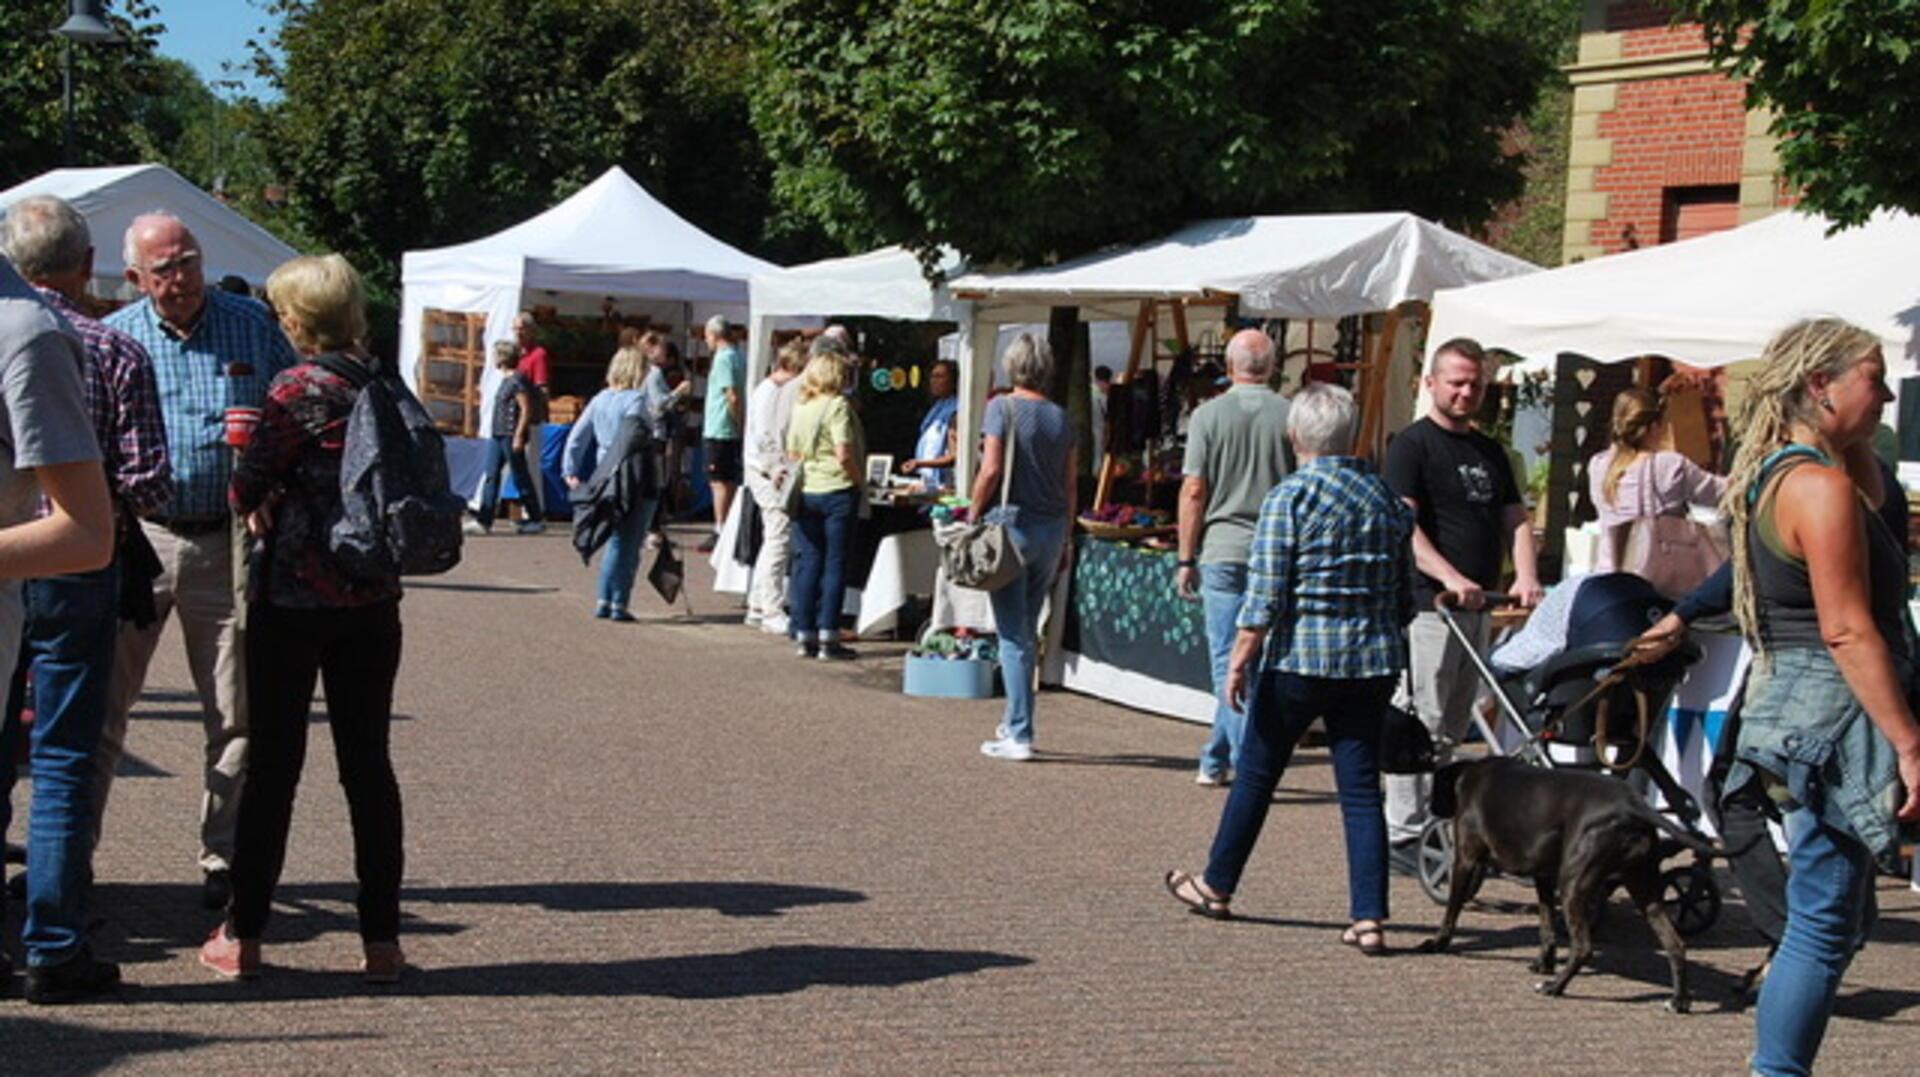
{"x":1187,"y":890}
{"x":1370,"y":940}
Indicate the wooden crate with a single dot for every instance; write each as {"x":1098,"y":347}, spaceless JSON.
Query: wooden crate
{"x":453,"y":356}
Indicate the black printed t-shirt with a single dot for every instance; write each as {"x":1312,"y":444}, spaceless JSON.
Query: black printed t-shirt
{"x":1463,"y":485}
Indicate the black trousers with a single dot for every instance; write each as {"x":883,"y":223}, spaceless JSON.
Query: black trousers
{"x":355,"y":651}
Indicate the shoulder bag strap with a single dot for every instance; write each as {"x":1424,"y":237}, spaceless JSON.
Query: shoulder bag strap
{"x":1006,"y":471}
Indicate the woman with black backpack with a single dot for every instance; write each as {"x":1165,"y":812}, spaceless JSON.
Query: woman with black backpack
{"x":310,"y":616}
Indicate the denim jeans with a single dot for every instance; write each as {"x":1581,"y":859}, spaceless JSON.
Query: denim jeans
{"x":621,"y":559}
{"x":1284,"y":704}
{"x":822,"y":531}
{"x":354,"y":651}
{"x":1828,"y":886}
{"x":1016,"y":610}
{"x":500,"y":454}
{"x":1223,"y":587}
{"x":67,"y":648}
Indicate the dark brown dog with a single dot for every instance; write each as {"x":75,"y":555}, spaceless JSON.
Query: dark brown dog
{"x":1572,"y":832}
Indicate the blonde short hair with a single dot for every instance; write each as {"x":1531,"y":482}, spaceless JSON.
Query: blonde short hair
{"x":793,"y":356}
{"x":627,"y":369}
{"x":506,"y":354}
{"x":322,"y":297}
{"x":825,"y":374}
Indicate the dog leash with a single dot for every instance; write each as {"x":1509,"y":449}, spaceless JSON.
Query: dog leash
{"x":1603,"y":710}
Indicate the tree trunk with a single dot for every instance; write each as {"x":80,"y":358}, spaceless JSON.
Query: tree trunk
{"x":1073,"y":378}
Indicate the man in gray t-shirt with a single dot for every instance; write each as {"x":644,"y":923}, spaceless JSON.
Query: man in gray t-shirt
{"x":47,"y":448}
{"x":1236,"y":452}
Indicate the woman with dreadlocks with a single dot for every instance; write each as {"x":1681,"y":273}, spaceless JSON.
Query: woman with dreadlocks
{"x":1820,"y":588}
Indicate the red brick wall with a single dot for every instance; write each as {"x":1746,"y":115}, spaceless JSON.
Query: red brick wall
{"x":1666,"y":132}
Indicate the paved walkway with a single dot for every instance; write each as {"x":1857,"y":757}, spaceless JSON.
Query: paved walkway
{"x":674,"y":847}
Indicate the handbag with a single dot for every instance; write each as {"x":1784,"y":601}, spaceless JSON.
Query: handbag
{"x":981,"y":555}
{"x":1673,"y":553}
{"x":789,"y":482}
{"x":1406,"y":747}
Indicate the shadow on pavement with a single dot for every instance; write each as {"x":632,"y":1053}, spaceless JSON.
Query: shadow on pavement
{"x":1875,"y":1004}
{"x":482,"y":588}
{"x":725,"y":898}
{"x":148,"y":922}
{"x":40,"y":1046}
{"x":770,"y":970}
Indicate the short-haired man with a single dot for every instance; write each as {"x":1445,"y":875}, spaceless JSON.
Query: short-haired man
{"x":1236,"y":452}
{"x":1101,"y":401}
{"x":1468,"y":516}
{"x":47,"y":449}
{"x":211,"y":351}
{"x":534,"y":369}
{"x":722,"y":423}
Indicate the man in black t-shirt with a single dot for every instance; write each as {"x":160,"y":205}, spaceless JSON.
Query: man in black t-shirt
{"x":1468,"y":516}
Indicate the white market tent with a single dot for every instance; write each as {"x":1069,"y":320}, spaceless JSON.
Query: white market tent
{"x":110,"y":198}
{"x":887,"y":283}
{"x":1708,"y":301}
{"x":1311,"y":266}
{"x":610,"y":239}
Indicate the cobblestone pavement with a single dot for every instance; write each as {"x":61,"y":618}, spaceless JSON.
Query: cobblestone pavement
{"x":672,"y":846}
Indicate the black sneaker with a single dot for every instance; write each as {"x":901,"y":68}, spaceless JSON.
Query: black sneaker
{"x":707,"y":544}
{"x":806,"y":648}
{"x":17,"y":886}
{"x":217,"y":889}
{"x":71,"y":981}
{"x":835,"y":652}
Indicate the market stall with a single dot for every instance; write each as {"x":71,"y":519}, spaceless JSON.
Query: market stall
{"x":610,"y":256}
{"x":1127,"y":637}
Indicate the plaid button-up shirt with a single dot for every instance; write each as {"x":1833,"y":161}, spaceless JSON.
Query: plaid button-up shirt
{"x":226,"y":360}
{"x":125,"y":406}
{"x":1331,"y":573}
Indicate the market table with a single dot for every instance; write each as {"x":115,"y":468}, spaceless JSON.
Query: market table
{"x":1130,"y":638}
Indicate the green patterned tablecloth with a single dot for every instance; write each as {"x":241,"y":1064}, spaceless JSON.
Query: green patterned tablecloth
{"x":1124,"y":612}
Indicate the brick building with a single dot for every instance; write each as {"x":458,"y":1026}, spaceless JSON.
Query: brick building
{"x":1662,"y":146}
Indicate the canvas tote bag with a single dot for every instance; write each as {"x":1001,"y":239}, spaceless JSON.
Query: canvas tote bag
{"x":1673,"y":553}
{"x":978,"y":555}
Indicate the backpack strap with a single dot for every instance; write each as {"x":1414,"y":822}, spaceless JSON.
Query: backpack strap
{"x":356,"y":374}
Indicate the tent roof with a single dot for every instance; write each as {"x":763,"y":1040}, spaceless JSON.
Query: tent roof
{"x":611,"y":237}
{"x":110,"y":198}
{"x":1326,"y":265}
{"x":887,"y":283}
{"x":1708,"y":301}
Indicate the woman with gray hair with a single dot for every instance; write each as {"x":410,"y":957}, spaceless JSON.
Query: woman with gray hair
{"x":1322,"y":635}
{"x":1037,"y":512}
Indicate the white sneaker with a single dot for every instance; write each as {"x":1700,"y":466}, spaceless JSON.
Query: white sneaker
{"x":752,"y":619}
{"x":473,"y":527}
{"x":1213,"y":778}
{"x":774,"y":624}
{"x":1009,"y":749}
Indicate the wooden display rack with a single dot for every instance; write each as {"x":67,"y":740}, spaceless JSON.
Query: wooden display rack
{"x":1371,"y":391}
{"x":453,"y":356}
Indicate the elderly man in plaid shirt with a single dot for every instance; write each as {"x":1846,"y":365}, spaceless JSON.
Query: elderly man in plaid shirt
{"x":1322,"y":635}
{"x":211,"y":351}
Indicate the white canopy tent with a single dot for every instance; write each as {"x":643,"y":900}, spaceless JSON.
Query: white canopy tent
{"x":110,"y":198}
{"x":887,"y":283}
{"x":610,"y":239}
{"x":1313,"y":266}
{"x":1707,"y":302}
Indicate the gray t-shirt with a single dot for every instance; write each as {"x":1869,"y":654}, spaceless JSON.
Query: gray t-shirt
{"x":1237,"y":442}
{"x":43,"y":417}
{"x":1042,"y":439}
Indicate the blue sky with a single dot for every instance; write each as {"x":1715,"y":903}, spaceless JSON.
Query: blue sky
{"x":207,"y":33}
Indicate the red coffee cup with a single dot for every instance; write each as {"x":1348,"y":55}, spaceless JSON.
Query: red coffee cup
{"x":240,"y":424}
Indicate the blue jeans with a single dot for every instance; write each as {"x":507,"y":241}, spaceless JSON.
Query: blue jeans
{"x":1828,"y":886}
{"x":621,"y":559}
{"x":1223,"y":587}
{"x":822,"y":530}
{"x":500,"y":454}
{"x":1284,"y":704}
{"x":67,"y":647}
{"x":1016,"y":611}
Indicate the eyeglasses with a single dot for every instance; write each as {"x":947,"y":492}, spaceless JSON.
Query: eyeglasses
{"x":174,"y":266}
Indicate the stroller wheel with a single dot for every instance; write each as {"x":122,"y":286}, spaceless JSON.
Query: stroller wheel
{"x":1692,"y":897}
{"x":1434,"y":850}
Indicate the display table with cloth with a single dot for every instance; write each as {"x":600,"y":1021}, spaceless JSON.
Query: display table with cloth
{"x":467,"y":458}
{"x":1130,"y":637}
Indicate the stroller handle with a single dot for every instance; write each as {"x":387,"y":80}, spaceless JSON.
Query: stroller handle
{"x":1450,"y":600}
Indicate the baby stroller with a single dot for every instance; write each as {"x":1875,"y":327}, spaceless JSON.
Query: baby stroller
{"x":1594,"y":707}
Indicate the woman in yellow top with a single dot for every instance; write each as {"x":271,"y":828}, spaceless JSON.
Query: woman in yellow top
{"x":825,"y":440}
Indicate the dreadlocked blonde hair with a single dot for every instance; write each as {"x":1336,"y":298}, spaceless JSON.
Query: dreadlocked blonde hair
{"x":1777,"y":398}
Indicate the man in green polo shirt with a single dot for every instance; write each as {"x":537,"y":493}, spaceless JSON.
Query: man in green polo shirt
{"x":1236,"y":452}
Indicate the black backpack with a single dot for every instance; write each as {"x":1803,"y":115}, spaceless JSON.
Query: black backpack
{"x":398,"y":514}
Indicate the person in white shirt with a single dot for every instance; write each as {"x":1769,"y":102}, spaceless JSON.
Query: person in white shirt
{"x":768,"y":409}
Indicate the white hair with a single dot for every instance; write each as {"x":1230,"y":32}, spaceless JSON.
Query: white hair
{"x":717,"y":326}
{"x":1029,"y":362}
{"x":1323,"y":419}
{"x":130,"y":248}
{"x":46,"y":236}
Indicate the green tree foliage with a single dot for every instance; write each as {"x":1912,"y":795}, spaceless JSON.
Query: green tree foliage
{"x":412,"y":123}
{"x":1843,"y":80}
{"x":1028,"y":130}
{"x":110,"y":82}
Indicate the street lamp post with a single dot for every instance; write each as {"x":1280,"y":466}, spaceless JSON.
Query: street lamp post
{"x":86,"y":24}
